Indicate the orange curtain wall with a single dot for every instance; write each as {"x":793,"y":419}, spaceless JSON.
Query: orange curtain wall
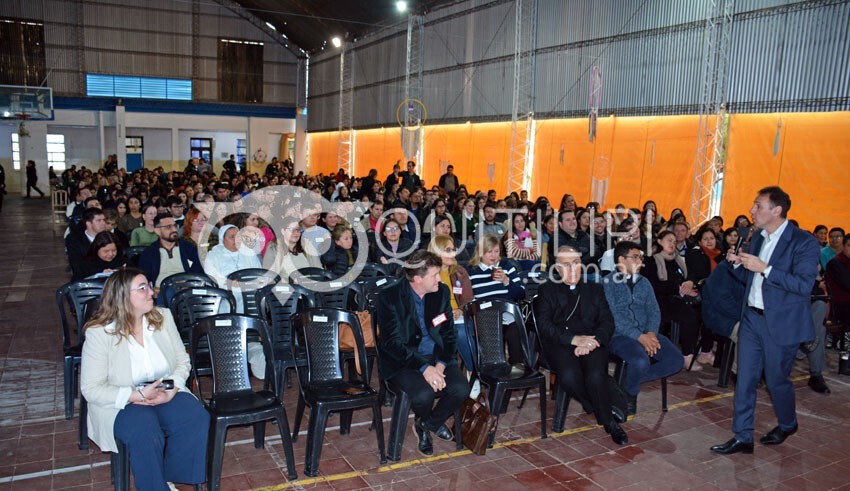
{"x":807,"y":154}
{"x":642,"y":158}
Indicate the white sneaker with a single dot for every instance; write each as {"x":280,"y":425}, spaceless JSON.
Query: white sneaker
{"x":476,"y":390}
{"x":687,"y":364}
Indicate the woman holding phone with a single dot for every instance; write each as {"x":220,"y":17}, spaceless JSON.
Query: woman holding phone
{"x":132,"y":353}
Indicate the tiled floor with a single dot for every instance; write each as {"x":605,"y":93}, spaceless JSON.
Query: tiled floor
{"x":38,"y":447}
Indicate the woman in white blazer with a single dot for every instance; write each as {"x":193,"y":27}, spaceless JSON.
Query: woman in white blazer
{"x":130,"y":347}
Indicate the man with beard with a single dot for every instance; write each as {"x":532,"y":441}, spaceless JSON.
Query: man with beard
{"x":169,"y":255}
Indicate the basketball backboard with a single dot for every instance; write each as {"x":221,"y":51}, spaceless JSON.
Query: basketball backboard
{"x":26,"y":103}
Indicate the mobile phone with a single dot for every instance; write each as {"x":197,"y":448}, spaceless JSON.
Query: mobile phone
{"x":166,"y":384}
{"x":739,"y":244}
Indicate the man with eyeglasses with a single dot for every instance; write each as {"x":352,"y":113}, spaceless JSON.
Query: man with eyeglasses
{"x":169,"y":255}
{"x":650,"y":355}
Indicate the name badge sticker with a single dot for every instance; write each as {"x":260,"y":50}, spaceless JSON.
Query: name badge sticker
{"x":457,"y":290}
{"x":439,"y":319}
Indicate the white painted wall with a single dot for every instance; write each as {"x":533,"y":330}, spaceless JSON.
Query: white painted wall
{"x":166,"y":136}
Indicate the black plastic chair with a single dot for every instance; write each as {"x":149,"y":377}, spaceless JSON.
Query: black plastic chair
{"x":513,"y":262}
{"x":398,"y":422}
{"x":119,"y":468}
{"x":233,"y":401}
{"x":131,"y":255}
{"x":491,"y":367}
{"x":175,"y":283}
{"x":193,"y":304}
{"x":620,"y":376}
{"x":278,"y":314}
{"x":89,"y":308}
{"x":75,"y":294}
{"x":373,"y":270}
{"x":323,"y":387}
{"x":532,"y":280}
{"x":562,"y":401}
{"x":305,"y":276}
{"x":248,"y":282}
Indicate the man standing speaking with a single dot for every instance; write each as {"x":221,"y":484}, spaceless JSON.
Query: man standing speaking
{"x":779,"y":272}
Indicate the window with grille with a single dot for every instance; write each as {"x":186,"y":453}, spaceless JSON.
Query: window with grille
{"x":56,"y":152}
{"x":16,"y":152}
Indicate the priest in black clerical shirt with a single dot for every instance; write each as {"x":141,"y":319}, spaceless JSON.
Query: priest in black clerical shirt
{"x":576,"y":326}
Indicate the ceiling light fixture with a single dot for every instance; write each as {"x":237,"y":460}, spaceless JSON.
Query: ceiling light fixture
{"x":271,"y":26}
{"x":401,"y":5}
{"x":336,"y":42}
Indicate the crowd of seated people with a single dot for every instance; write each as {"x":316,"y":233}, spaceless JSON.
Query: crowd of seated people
{"x":483,"y":244}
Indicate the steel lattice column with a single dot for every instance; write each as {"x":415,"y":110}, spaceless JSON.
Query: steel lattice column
{"x":414,"y":109}
{"x":522,"y":118}
{"x":708,"y":171}
{"x":345,"y":152}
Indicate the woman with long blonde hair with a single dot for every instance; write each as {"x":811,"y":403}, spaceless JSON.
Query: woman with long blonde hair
{"x":133,"y":375}
{"x":457,"y":280}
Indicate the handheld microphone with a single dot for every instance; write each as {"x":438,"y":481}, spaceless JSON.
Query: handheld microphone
{"x":739,"y":244}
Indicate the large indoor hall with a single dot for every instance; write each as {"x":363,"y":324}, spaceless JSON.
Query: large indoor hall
{"x":424,"y":244}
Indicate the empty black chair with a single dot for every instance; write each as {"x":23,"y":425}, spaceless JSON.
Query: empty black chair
{"x":233,"y":401}
{"x":307,"y":277}
{"x":247,"y":283}
{"x":75,"y":295}
{"x":323,"y":387}
{"x":278,"y":303}
{"x":131,"y":255}
{"x":491,"y":367}
{"x":373,"y":270}
{"x":193,"y":304}
{"x":180,"y":281}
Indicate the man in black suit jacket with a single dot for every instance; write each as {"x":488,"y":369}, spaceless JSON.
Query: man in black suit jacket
{"x":418,"y":347}
{"x":77,"y":243}
{"x":576,"y":326}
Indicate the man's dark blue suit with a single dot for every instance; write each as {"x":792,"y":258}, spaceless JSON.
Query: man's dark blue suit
{"x":768,"y":340}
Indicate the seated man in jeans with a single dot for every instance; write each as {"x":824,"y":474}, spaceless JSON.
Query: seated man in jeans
{"x":650,"y":355}
{"x":418,"y":346}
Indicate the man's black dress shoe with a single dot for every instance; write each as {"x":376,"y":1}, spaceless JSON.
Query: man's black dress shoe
{"x":426,"y":446}
{"x":733,"y":446}
{"x":777,"y":436}
{"x":444,"y":433}
{"x":617,"y":434}
{"x":618,"y":414}
{"x":631,"y":405}
{"x":818,"y":385}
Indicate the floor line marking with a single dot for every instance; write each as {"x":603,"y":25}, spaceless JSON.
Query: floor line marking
{"x":399,"y":465}
{"x":298,"y":483}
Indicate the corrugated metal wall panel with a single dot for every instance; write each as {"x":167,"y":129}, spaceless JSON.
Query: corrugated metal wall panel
{"x":651,"y":55}
{"x":151,"y":38}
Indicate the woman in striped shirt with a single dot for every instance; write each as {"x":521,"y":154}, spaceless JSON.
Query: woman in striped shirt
{"x":496,"y":279}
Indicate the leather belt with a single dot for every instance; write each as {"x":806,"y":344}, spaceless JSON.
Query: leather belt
{"x":757,"y":310}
